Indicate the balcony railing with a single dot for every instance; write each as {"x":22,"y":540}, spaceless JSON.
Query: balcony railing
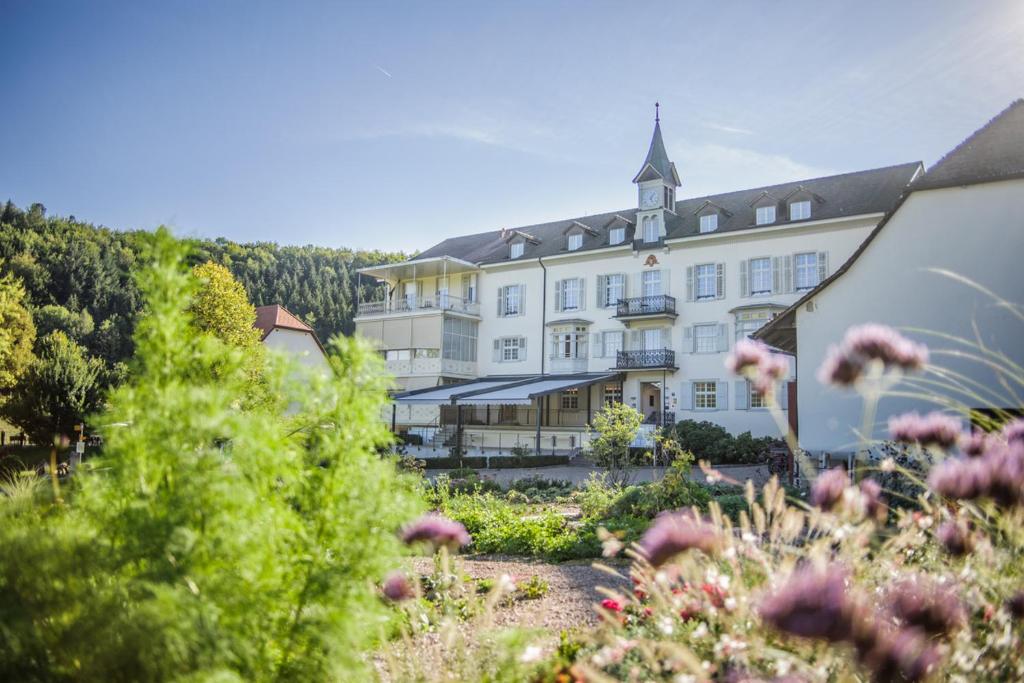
{"x":659,"y":304}
{"x":646,"y":359}
{"x":407,"y":304}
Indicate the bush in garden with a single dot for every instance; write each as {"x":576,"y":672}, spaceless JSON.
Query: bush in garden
{"x":711,"y":442}
{"x":209,"y":541}
{"x":615,"y":427}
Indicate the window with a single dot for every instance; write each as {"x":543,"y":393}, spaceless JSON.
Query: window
{"x":612,"y":393}
{"x":760,"y":276}
{"x":705,"y":396}
{"x":709,"y":223}
{"x":511,"y":348}
{"x":806,"y":271}
{"x":428,"y":353}
{"x":510,"y":301}
{"x":515,"y":250}
{"x":611,"y":343}
{"x":706,"y":284}
{"x":570,"y":399}
{"x":614,"y":289}
{"x":799,"y":210}
{"x":616,"y":236}
{"x":651,"y":282}
{"x":398,"y":354}
{"x":569,"y":342}
{"x":469,"y":287}
{"x":749,"y":322}
{"x":650,"y":224}
{"x":572,"y":291}
{"x":705,"y":338}
{"x":652,"y":340}
{"x":575,"y":242}
{"x":459,"y":342}
{"x":765,"y":215}
{"x":757,"y":399}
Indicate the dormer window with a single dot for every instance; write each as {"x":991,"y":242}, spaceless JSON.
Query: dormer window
{"x":616,"y":236}
{"x":765,"y":215}
{"x":574,"y":242}
{"x":515,"y":250}
{"x":709,"y":223}
{"x":650,"y":229}
{"x":800,"y":210}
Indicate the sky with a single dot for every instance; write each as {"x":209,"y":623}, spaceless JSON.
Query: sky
{"x":391,"y":125}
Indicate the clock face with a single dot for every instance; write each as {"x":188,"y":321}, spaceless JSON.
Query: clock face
{"x":649,"y":198}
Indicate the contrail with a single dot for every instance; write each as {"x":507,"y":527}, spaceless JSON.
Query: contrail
{"x":382,"y":70}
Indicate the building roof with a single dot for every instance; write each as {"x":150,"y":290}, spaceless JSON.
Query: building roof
{"x":845,"y":195}
{"x":269,"y":318}
{"x":657,"y":159}
{"x":992,"y":153}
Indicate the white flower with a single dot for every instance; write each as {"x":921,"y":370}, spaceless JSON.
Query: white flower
{"x":685,"y":678}
{"x":506,"y":584}
{"x":666,"y":625}
{"x":783,"y":666}
{"x":700,"y":631}
{"x":531,"y":654}
{"x":730,"y":604}
{"x":888,"y":465}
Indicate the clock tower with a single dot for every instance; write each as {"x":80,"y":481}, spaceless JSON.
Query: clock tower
{"x":656,"y":187}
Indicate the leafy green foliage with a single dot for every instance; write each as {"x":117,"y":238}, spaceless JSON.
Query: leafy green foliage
{"x":616,"y":426}
{"x":58,"y":390}
{"x":221,"y":307}
{"x":709,"y":441}
{"x":17,"y":332}
{"x":208,"y":541}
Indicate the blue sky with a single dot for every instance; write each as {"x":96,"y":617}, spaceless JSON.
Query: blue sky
{"x":394,"y":125}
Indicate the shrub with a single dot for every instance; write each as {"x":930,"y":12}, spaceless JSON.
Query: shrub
{"x":711,"y":442}
{"x":410,"y":439}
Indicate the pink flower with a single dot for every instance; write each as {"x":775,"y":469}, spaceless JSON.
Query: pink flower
{"x":933,"y":429}
{"x":955,"y":537}
{"x":812,"y":604}
{"x":1014,"y":431}
{"x":611,"y":605}
{"x":755,"y":361}
{"x":675,"y":532}
{"x":862,"y":344}
{"x":974,"y":444}
{"x":899,"y":655}
{"x":828,"y":488}
{"x":918,"y":602}
{"x":438,"y":531}
{"x":396,"y":587}
{"x":874,"y":506}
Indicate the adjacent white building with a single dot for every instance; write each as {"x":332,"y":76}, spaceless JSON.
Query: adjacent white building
{"x":518,"y":335}
{"x":283,"y":331}
{"x":963,"y":216}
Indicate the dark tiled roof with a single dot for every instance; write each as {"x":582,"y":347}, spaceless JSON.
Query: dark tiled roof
{"x":994,"y":151}
{"x":848,"y":194}
{"x":657,"y":158}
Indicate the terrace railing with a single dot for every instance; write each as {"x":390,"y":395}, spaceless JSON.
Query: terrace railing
{"x":660,"y":304}
{"x":408,"y":304}
{"x":645,"y":359}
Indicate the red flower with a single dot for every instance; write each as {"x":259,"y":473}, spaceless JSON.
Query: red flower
{"x":611,"y":605}
{"x":714,"y":593}
{"x":648,"y":612}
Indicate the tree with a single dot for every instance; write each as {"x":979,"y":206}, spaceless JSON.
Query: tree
{"x":616,"y":426}
{"x":53,"y":317}
{"x":59,"y":389}
{"x":17,"y":333}
{"x":221,"y":307}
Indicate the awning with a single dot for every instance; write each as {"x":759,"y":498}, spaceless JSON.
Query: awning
{"x":417,"y":268}
{"x":516,"y":390}
{"x":524,"y":394}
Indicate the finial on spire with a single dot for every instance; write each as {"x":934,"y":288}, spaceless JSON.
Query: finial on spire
{"x":657,"y":116}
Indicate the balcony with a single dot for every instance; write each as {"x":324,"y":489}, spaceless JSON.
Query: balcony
{"x":646,"y":307}
{"x":400,"y":304}
{"x":648,"y":359}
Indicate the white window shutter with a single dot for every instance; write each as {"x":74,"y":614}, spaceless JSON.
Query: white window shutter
{"x":744,"y":278}
{"x":666,"y":281}
{"x":522,"y":299}
{"x":627,"y":286}
{"x":602,"y":291}
{"x":742,"y":392}
{"x":501,"y":301}
{"x":689,"y":339}
{"x":559,"y":292}
{"x":666,"y":337}
{"x":782,"y":395}
{"x":720,"y":280}
{"x":583,"y":293}
{"x":787,"y":274}
{"x":686,"y":396}
{"x":636,"y":340}
{"x":595,"y":343}
{"x":497,"y":350}
{"x":522,"y":348}
{"x":723,"y":337}
{"x":822,"y":265}
{"x":689,"y":283}
{"x":721,"y":395}
{"x":777,"y":283}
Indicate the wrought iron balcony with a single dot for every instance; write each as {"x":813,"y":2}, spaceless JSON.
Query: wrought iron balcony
{"x":640,"y":306}
{"x":408,"y":304}
{"x":648,"y":359}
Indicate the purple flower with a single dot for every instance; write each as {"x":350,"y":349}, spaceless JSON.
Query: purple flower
{"x":828,"y":488}
{"x":437,"y":530}
{"x":874,"y":506}
{"x":813,"y":603}
{"x":1015,"y":604}
{"x":1013,"y":431}
{"x":755,"y":361}
{"x":900,"y":655}
{"x":396,"y":587}
{"x":955,"y":537}
{"x":974,"y":444}
{"x":933,"y":608}
{"x":845,"y":363}
{"x":933,"y":429}
{"x":675,"y":532}
{"x":961,"y":479}
{"x":998,"y":474}
{"x":1006,"y":471}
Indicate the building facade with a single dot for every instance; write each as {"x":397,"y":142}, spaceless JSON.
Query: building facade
{"x":640,"y":305}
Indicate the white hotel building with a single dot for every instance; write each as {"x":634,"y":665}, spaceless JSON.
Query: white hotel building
{"x":518,"y":335}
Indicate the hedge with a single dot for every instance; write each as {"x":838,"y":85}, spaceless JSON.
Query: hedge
{"x":497,"y":462}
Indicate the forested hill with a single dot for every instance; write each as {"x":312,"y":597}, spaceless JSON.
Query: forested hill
{"x":78,"y":277}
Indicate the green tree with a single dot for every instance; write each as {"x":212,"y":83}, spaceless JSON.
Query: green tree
{"x":58,"y":390}
{"x":221,"y":307}
{"x":53,"y":317}
{"x":17,"y":333}
{"x":615,"y":427}
{"x":210,"y":542}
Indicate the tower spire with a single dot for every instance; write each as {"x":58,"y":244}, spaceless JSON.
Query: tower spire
{"x":657,"y":115}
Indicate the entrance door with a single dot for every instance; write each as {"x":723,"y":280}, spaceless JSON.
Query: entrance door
{"x":650,"y":400}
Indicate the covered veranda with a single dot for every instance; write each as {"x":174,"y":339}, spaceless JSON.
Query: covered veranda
{"x":514,"y":403}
